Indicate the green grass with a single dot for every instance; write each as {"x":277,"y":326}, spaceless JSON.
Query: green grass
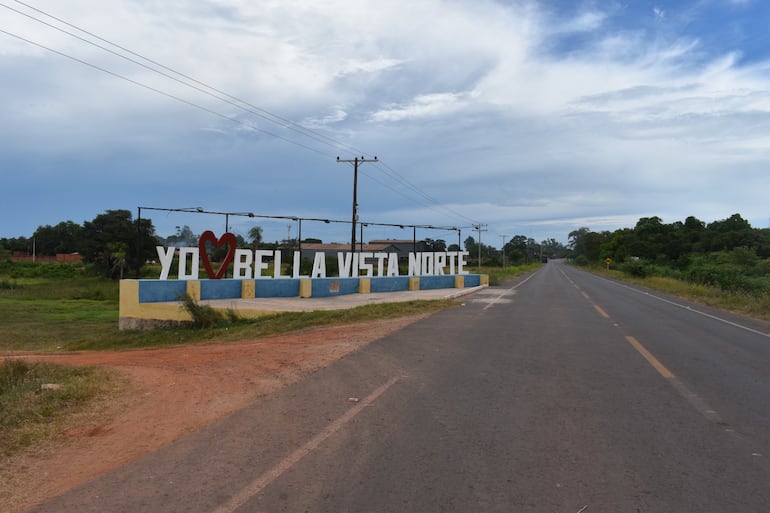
{"x":68,"y":314}
{"x":65,"y":314}
{"x":51,"y":324}
{"x":278,"y":323}
{"x":29,"y":414}
{"x":756,"y":305}
{"x":498,"y":275}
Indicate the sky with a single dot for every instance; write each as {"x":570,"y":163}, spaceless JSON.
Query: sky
{"x":524,"y":118}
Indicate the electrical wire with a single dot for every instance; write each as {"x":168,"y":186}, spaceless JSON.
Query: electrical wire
{"x":219,"y":95}
{"x":163,"y":93}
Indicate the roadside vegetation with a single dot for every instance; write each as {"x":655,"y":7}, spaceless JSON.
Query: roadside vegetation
{"x":61,"y":315}
{"x":38,"y":399}
{"x":499,"y":275}
{"x":60,"y":307}
{"x":725,"y":264}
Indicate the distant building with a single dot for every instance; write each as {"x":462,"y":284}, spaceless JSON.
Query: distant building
{"x":309,"y":249}
{"x":63,"y":258}
{"x":400,"y":247}
{"x":403,"y":246}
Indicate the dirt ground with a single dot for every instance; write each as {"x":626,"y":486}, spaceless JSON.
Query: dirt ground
{"x":169,"y":393}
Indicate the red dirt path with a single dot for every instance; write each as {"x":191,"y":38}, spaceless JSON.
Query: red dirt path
{"x":172,"y":392}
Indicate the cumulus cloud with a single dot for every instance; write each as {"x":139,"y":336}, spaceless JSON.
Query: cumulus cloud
{"x":528,"y":114}
{"x":426,"y":105}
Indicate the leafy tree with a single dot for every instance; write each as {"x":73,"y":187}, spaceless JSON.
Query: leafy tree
{"x":113,"y":236}
{"x":119,"y":262}
{"x":17,"y":244}
{"x":728,"y":253}
{"x":730,"y":233}
{"x":62,"y":238}
{"x":649,"y":238}
{"x":553,"y":248}
{"x":184,"y":238}
{"x":617,"y":246}
{"x":471,"y":246}
{"x":763,"y":243}
{"x":255,"y":236}
{"x":577,"y":240}
{"x":693,"y":233}
{"x":587,"y":245}
{"x":516,"y":249}
{"x":435,"y":245}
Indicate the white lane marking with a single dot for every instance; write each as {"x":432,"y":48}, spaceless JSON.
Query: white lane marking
{"x":505,"y":292}
{"x":261,"y":482}
{"x":491,"y":301}
{"x":686,"y":307}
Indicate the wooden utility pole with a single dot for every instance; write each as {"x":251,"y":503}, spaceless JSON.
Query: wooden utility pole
{"x":503,"y":237}
{"x":480,"y":228}
{"x":355,"y":163}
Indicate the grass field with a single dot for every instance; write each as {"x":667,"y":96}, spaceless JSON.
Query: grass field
{"x":36,"y":399}
{"x":67,"y":312}
{"x":45,"y":311}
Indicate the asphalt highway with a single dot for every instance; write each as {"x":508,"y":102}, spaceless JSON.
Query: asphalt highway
{"x":563,"y":392}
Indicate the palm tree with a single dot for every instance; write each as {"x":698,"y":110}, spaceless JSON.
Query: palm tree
{"x":255,"y":235}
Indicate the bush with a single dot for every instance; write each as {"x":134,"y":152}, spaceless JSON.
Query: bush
{"x":636,"y":268}
{"x":8,"y":285}
{"x":28,"y":412}
{"x":725,"y":277}
{"x":39,"y":270}
{"x":203,"y":316}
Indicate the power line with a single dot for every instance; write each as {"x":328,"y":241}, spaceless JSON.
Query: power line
{"x":217,"y":94}
{"x":480,"y":228}
{"x":221,"y":96}
{"x":196,"y":84}
{"x":392,"y":173}
{"x":355,"y":163}
{"x":433,"y":207}
{"x":164,"y":93}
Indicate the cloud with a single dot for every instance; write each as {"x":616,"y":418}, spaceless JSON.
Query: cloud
{"x":546,"y":114}
{"x":427,"y":105}
{"x":337,"y":116}
{"x":369,"y":66}
{"x":585,"y":22}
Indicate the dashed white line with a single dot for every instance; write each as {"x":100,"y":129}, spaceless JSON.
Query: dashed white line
{"x":262,"y":481}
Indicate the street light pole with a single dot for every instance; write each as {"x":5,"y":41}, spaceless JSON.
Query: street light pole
{"x":138,"y":239}
{"x":480,"y":228}
{"x":355,"y":163}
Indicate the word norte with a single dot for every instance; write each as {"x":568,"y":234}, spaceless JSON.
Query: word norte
{"x":248,"y":264}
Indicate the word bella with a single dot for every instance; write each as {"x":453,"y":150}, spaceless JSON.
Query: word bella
{"x":248,"y":264}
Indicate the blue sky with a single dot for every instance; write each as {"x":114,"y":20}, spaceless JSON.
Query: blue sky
{"x":533,"y":118}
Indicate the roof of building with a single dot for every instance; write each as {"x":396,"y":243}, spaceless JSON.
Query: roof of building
{"x":395,"y":241}
{"x":313,"y":246}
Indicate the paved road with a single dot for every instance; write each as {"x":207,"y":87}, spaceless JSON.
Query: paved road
{"x":561,"y":393}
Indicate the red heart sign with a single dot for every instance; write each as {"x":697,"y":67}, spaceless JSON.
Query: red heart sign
{"x":227,"y":238}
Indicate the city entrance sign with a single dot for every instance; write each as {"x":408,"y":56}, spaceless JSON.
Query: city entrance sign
{"x":249,"y":264}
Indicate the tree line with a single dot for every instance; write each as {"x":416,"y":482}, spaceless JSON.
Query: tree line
{"x":114,"y":244}
{"x":728,"y":253}
{"x":107,"y":244}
